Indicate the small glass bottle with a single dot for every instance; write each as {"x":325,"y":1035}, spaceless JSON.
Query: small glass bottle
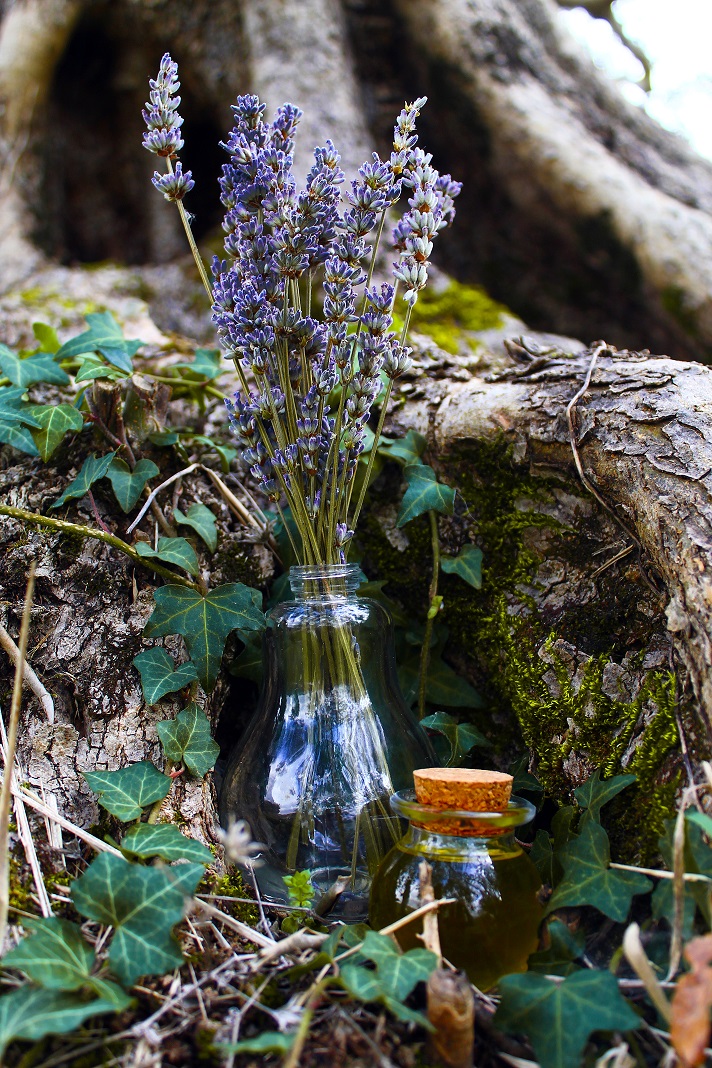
{"x":492,"y":927}
{"x":330,"y":742}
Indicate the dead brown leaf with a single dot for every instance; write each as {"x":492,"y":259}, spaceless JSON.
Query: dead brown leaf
{"x":691,"y":1004}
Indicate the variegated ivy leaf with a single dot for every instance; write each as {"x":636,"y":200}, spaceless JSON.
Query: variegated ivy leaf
{"x":467,"y":564}
{"x":594,"y":794}
{"x":424,"y":494}
{"x":588,"y":879}
{"x":91,"y":471}
{"x":187,"y":739}
{"x":127,"y":484}
{"x":160,"y":676}
{"x":166,"y":841}
{"x":126,"y":792}
{"x":395,"y":976}
{"x":143,"y":905}
{"x":173,"y":551}
{"x":104,"y":336}
{"x":205,"y":622}
{"x":31,"y":1014}
{"x":202,"y":520}
{"x":55,"y":421}
{"x":53,"y":954}
{"x":39,"y":368}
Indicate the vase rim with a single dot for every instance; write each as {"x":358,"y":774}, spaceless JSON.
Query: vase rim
{"x":322,"y":579}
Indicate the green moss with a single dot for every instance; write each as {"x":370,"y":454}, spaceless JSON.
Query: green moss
{"x":449,"y":316}
{"x":231,"y":884}
{"x":674,"y":302}
{"x":499,"y":639}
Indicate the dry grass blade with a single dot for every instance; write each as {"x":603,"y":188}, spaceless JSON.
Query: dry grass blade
{"x":635,"y":955}
{"x":6,"y":790}
{"x":31,"y":679}
{"x":23,"y":827}
{"x":678,"y":886}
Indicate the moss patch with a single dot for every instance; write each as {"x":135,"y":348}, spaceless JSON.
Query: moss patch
{"x":454,"y":313}
{"x":500,"y":641}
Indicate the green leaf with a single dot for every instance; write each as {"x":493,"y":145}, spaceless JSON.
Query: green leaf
{"x":202,"y":521}
{"x":187,"y":739}
{"x":248,"y":664}
{"x":55,"y":421}
{"x":47,"y":337}
{"x":408,"y":449}
{"x":39,"y":368}
{"x":104,"y":336}
{"x":163,"y":438}
{"x":92,"y":470}
{"x":589,"y":881}
{"x":559,"y":1017}
{"x":128,"y":485}
{"x":12,"y":433}
{"x":360,"y":982}
{"x":177,"y":551}
{"x":701,"y":819}
{"x":126,"y":792}
{"x":523,"y":780}
{"x":93,"y":367}
{"x":564,"y":950}
{"x":207,"y":363}
{"x":542,"y":855}
{"x":594,"y":794}
{"x":300,"y":888}
{"x":205,"y":622}
{"x":143,"y":905}
{"x":160,"y":676}
{"x":267,"y":1042}
{"x":697,"y":860}
{"x":31,"y":1014}
{"x":400,"y":973}
{"x":467,"y":564}
{"x":166,"y":841}
{"x":53,"y":955}
{"x":424,"y":494}
{"x":462,"y":736}
{"x":445,"y":687}
{"x":395,"y":976}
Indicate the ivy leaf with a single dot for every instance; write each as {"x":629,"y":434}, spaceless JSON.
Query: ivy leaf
{"x":12,"y":433}
{"x":143,"y":905}
{"x":467,"y":564}
{"x":395,"y":976}
{"x":559,"y":1017}
{"x":697,"y":860}
{"x":202,"y":521}
{"x":163,"y":438}
{"x":594,"y":794}
{"x":408,"y":449}
{"x":424,"y":494}
{"x":106,"y":337}
{"x":92,"y":470}
{"x":360,"y":982}
{"x":126,"y":792}
{"x":207,"y":363}
{"x":187,"y":739}
{"x":589,"y":881}
{"x":701,"y":819}
{"x":166,"y":841}
{"x":47,"y":337}
{"x":248,"y":664}
{"x":31,"y":1014}
{"x":542,"y":855}
{"x":445,"y":687}
{"x":205,"y":622}
{"x":54,"y":954}
{"x":160,"y":676}
{"x":128,"y":485}
{"x":267,"y":1042}
{"x":92,"y":367}
{"x":55,"y":421}
{"x":565,"y":947}
{"x":39,"y":368}
{"x":462,"y":736}
{"x":523,"y":780}
{"x":176,"y":551}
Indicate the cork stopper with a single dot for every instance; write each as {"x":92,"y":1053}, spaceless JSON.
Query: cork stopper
{"x":471,"y":790}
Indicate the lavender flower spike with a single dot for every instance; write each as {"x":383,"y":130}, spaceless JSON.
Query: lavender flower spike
{"x":161,"y":113}
{"x":174,"y":186}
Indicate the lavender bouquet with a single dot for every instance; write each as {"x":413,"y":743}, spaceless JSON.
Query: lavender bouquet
{"x":310,"y":333}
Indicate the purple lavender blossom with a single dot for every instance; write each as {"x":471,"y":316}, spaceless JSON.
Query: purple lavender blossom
{"x":161,"y":112}
{"x":175,"y":184}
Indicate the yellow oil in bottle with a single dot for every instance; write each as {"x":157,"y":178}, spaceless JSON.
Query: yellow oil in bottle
{"x":491,"y":928}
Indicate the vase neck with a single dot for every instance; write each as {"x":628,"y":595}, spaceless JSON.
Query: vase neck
{"x":324,"y":581}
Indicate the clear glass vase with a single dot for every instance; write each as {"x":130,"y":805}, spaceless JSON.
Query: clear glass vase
{"x":491,"y":927}
{"x":330,"y":742}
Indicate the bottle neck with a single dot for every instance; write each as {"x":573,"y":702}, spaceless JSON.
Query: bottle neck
{"x":455,"y":847}
{"x":324,"y":581}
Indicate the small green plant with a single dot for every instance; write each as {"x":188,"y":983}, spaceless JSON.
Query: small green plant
{"x":300,"y":889}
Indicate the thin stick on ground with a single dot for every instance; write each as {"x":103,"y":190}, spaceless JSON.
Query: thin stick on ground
{"x":30,"y":678}
{"x":25,"y":832}
{"x":6,"y":790}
